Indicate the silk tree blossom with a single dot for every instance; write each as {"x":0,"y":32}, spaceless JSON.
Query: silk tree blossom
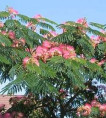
{"x":84,"y":110}
{"x":47,"y":44}
{"x":50,"y":35}
{"x":82,"y":21}
{"x":103,"y":39}
{"x":22,"y":41}
{"x":93,"y":60}
{"x":95,"y":103}
{"x":40,"y":50}
{"x":15,"y":43}
{"x":37,"y":17}
{"x":12,"y":11}
{"x":102,"y":110}
{"x":56,"y":51}
{"x":50,"y":49}
{"x":25,"y":61}
{"x":102,"y":107}
{"x":35,"y":61}
{"x":31,"y":26}
{"x":11,"y":35}
{"x":69,"y":55}
{"x":101,"y":62}
{"x":4,"y":32}
{"x":1,"y":24}
{"x":53,"y":33}
{"x":95,"y":41}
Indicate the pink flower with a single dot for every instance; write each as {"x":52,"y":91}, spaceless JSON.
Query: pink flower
{"x":68,"y":55}
{"x":1,"y":24}
{"x":12,"y":11}
{"x":56,"y":51}
{"x":94,"y":103}
{"x":7,"y":115}
{"x":82,"y":21}
{"x":46,"y":44}
{"x":84,"y":110}
{"x":70,"y":48}
{"x":22,"y":40}
{"x":4,"y":32}
{"x":40,"y":50}
{"x":95,"y":41}
{"x":62,"y":46}
{"x":53,"y":33}
{"x":93,"y":60}
{"x":11,"y":35}
{"x":29,"y":24}
{"x":34,"y":60}
{"x":102,"y":107}
{"x":25,"y":61}
{"x":15,"y":43}
{"x":102,"y":38}
{"x":88,"y":105}
{"x":101,"y":62}
{"x":38,"y":16}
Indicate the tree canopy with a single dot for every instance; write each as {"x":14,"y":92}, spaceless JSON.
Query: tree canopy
{"x":55,"y":63}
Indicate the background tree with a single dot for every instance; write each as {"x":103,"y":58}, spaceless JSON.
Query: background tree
{"x":56,"y":68}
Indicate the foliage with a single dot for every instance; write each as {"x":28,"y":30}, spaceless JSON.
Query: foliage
{"x":57,"y":68}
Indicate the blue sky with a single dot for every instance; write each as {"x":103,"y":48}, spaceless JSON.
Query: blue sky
{"x":60,"y":10}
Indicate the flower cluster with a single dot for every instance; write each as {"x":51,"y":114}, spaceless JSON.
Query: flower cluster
{"x":83,"y":22}
{"x":1,"y":24}
{"x":86,"y":109}
{"x":20,"y":101}
{"x":12,"y":11}
{"x":12,"y":36}
{"x":33,"y":26}
{"x":93,"y":60}
{"x":48,"y":50}
{"x":95,"y":40}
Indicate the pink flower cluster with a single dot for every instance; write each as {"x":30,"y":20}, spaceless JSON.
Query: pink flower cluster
{"x":1,"y":24}
{"x":82,"y":21}
{"x":85,"y":110}
{"x":15,"y":42}
{"x":37,"y":17}
{"x":50,"y":35}
{"x":50,"y":49}
{"x":98,"y":39}
{"x":31,"y":25}
{"x":93,"y":60}
{"x":12,"y":11}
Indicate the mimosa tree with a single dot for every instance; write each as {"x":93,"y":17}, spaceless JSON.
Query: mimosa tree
{"x":56,"y":69}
